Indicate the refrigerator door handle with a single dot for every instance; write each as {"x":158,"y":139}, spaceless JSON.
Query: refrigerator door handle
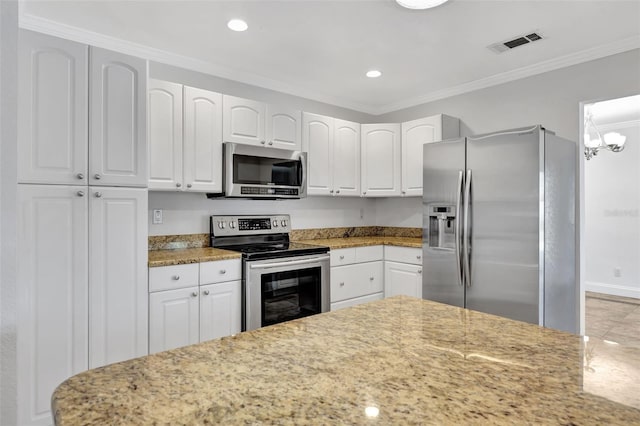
{"x":458,"y":235}
{"x":466,"y":253}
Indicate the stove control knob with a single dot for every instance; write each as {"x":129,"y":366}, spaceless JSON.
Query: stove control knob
{"x":275,"y":223}
{"x":232,"y":225}
{"x":221,"y":225}
{"x":284,"y":223}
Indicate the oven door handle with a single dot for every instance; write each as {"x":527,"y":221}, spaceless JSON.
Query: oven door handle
{"x":289,"y":263}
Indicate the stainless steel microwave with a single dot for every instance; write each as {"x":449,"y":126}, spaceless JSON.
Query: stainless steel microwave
{"x":259,"y":172}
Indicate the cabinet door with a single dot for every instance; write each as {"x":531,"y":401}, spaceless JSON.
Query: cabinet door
{"x":346,"y":158}
{"x":117,"y":119}
{"x":173,"y":319}
{"x":381,"y":160}
{"x":317,"y":141}
{"x":243,"y":121}
{"x":165,"y":135}
{"x":359,"y":279}
{"x":220,"y":310}
{"x":52,"y":110}
{"x":52,"y":338}
{"x":202,"y":140}
{"x":283,"y":128}
{"x":402,"y":278}
{"x":118,"y":296}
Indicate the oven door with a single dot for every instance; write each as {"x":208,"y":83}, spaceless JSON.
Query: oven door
{"x":278,"y":290}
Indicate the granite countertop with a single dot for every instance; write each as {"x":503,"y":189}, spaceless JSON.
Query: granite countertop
{"x":189,"y":255}
{"x":338,"y":243}
{"x":395,"y":361}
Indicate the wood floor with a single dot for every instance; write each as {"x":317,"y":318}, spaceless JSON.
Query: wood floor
{"x":613,"y":318}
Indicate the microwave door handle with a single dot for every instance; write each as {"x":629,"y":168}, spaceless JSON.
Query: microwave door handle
{"x":302,"y":172}
{"x":289,"y":263}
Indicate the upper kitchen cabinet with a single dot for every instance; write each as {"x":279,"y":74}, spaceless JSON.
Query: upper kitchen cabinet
{"x":381,"y":162}
{"x":415,"y":134}
{"x":202,"y":140}
{"x":251,"y":122}
{"x":165,"y":135}
{"x":283,"y":128}
{"x":333,"y":148}
{"x":117,"y":119}
{"x":243,"y":121}
{"x":52,"y":110}
{"x":317,"y":141}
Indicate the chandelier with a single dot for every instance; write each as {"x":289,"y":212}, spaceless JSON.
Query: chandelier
{"x":594,"y":141}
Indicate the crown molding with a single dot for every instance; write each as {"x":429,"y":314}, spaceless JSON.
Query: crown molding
{"x":36,"y":23}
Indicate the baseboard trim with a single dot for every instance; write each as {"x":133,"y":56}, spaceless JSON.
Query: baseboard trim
{"x":612,"y":289}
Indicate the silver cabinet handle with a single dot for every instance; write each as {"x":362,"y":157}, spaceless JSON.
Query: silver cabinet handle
{"x":418,"y":257}
{"x":223,"y":271}
{"x":97,"y":176}
{"x":80,"y":193}
{"x":270,"y":142}
{"x":98,"y":194}
{"x":178,"y":185}
{"x":194,"y":294}
{"x":189,"y":185}
{"x":206,"y":292}
{"x":342,"y":284}
{"x":80,"y":175}
{"x":262,"y":142}
{"x":341,"y":257}
{"x":404,"y":192}
{"x":338,"y":191}
{"x":370,"y":278}
{"x":364,"y":193}
{"x":176,"y":277}
{"x":419,"y":271}
{"x":331,"y":191}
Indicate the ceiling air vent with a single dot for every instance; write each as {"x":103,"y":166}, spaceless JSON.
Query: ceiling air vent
{"x":515,"y":42}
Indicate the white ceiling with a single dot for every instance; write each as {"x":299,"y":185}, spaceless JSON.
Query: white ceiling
{"x":321,"y":49}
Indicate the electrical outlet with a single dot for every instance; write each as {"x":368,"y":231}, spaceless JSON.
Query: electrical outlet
{"x":157,"y":216}
{"x":617,"y":272}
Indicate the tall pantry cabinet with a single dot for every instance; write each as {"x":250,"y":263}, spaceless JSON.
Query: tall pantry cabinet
{"x":82,"y":209}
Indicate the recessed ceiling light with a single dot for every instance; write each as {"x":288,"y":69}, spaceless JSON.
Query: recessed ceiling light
{"x":237,"y":25}
{"x":420,"y":4}
{"x":374,"y":74}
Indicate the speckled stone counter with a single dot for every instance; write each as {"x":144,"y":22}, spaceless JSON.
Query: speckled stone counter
{"x":338,"y":243}
{"x":190,"y":255}
{"x":394,"y":361}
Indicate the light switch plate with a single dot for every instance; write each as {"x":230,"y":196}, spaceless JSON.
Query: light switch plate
{"x":157,"y":216}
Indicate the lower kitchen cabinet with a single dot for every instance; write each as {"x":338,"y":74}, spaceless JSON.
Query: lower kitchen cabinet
{"x":194,"y":303}
{"x":357,"y":276}
{"x":402,"y":279}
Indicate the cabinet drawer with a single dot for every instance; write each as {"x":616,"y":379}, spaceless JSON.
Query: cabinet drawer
{"x":369,"y":253}
{"x":403,"y":254}
{"x":356,"y":301}
{"x":173,"y":277}
{"x":343,"y":256}
{"x":220,"y":271}
{"x":356,"y":280}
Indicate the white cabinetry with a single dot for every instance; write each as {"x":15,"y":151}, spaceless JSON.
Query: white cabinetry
{"x":202,"y":140}
{"x":185,"y":138}
{"x":193,"y":303}
{"x":333,"y":148}
{"x":402,"y":271}
{"x":414,"y":135}
{"x":356,"y":276}
{"x":52,"y":110}
{"x":118,"y":275}
{"x":255,"y":123}
{"x":117,"y":119}
{"x":53,"y":334}
{"x":165,"y":135}
{"x":381,"y":160}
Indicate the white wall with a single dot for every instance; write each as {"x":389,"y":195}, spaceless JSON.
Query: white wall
{"x":612,"y":216}
{"x":551,"y":99}
{"x":8,"y":187}
{"x":188,"y":213}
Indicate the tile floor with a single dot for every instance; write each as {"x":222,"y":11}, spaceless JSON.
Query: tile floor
{"x":613,"y":318}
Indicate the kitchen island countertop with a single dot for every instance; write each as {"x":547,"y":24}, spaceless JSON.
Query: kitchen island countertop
{"x":395,"y":361}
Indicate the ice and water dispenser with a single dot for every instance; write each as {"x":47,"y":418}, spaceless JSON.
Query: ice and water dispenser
{"x":442,"y":225}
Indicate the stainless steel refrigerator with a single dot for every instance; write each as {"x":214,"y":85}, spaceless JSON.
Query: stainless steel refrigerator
{"x":499,"y":225}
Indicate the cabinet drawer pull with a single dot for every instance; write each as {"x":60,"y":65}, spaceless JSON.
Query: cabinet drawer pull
{"x":341,"y":257}
{"x":223,"y":271}
{"x":97,"y":176}
{"x":189,"y":185}
{"x":331,"y":191}
{"x":270,"y":142}
{"x":80,"y":175}
{"x":80,"y":193}
{"x":178,"y":185}
{"x":262,"y":142}
{"x":370,"y":278}
{"x":418,"y":257}
{"x":342,"y":284}
{"x":194,"y":294}
{"x":338,"y":191}
{"x":419,"y":271}
{"x":98,"y":194}
{"x":176,"y":277}
{"x":206,"y":292}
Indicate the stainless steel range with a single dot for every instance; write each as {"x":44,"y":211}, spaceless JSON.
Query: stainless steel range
{"x":281,"y":280}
